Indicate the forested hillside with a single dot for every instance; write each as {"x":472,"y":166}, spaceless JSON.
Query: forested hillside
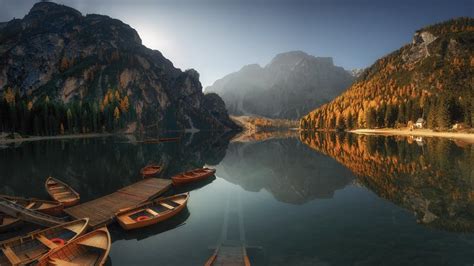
{"x":48,"y":117}
{"x":431,"y":78}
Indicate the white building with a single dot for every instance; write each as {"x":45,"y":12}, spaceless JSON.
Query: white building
{"x":420,"y":123}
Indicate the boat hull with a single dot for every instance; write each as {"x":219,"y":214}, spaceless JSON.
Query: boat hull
{"x":28,"y":248}
{"x":151,"y":171}
{"x":56,"y":187}
{"x":178,"y":181}
{"x":126,"y":224}
{"x":90,"y":249}
{"x":44,"y":206}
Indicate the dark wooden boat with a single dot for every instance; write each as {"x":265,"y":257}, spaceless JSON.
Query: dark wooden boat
{"x":61,"y":192}
{"x":168,"y":139}
{"x":23,"y":213}
{"x":229,"y":255}
{"x":152,"y":212}
{"x":27,"y":249}
{"x":44,"y":206}
{"x":151,"y":170}
{"x":89,"y":249}
{"x":8,"y":222}
{"x":193,"y":176}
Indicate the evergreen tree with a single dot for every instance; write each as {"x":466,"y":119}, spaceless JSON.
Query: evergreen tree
{"x":340,"y":123}
{"x":371,"y":118}
{"x":390,"y":116}
{"x":381,"y":112}
{"x":402,"y":119}
{"x":443,"y":119}
{"x":431,"y":115}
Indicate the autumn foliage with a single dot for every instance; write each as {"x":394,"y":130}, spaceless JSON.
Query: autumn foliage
{"x":409,"y":173}
{"x":432,"y":80}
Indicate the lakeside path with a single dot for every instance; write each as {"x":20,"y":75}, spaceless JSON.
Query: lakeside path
{"x":467,"y":137}
{"x":72,"y":136}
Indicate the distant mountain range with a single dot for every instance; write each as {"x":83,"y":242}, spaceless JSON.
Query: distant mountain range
{"x":291,"y":85}
{"x":90,"y":73}
{"x":431,"y":78}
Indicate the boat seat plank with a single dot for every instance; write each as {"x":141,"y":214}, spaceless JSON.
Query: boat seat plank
{"x":127,"y":219}
{"x":76,"y":228}
{"x":152,"y":212}
{"x":166,"y":205}
{"x":95,"y":242}
{"x":61,"y":262}
{"x":29,"y":206}
{"x":46,"y":241}
{"x":11,"y":256}
{"x":56,"y":187}
{"x":62,"y":193}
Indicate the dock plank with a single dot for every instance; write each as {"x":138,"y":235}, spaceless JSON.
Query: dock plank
{"x":101,"y":211}
{"x":230,"y":255}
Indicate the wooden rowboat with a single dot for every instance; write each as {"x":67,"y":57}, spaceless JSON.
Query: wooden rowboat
{"x":89,"y":249}
{"x":151,"y":170}
{"x":26,"y":249}
{"x":8,"y":222}
{"x":169,"y":139}
{"x":193,"y":176}
{"x":61,"y":192}
{"x":44,"y":206}
{"x":152,"y":212}
{"x":23,"y":213}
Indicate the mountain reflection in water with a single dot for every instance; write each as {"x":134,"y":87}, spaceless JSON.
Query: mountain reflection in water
{"x":289,"y":170}
{"x":433,"y":177}
{"x":309,"y":199}
{"x":99,"y":166}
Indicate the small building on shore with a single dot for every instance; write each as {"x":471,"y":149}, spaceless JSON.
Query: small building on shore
{"x":420,"y":123}
{"x":459,"y":126}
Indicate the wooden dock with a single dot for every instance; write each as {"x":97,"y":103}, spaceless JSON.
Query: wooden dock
{"x":101,"y":211}
{"x":229,"y":255}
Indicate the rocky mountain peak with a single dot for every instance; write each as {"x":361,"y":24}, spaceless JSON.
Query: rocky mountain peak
{"x":50,"y":8}
{"x":288,"y":58}
{"x":287,"y":87}
{"x":293,"y":58}
{"x":95,"y":60}
{"x":251,"y":68}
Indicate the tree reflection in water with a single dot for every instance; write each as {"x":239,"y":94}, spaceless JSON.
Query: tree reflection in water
{"x":432,"y":177}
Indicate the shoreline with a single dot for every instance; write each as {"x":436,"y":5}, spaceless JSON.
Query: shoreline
{"x":72,"y":136}
{"x":467,"y":137}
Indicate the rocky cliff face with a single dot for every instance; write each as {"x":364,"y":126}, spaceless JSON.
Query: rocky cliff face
{"x":292,"y":84}
{"x":57,"y":52}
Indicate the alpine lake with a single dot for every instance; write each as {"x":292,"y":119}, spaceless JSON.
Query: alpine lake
{"x":291,"y":199}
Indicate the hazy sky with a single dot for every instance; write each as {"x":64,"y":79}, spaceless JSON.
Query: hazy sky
{"x":217,"y":37}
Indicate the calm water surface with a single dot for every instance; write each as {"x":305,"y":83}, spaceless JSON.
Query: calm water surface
{"x":314,"y":199}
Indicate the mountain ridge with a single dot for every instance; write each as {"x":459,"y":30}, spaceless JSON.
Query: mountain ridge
{"x":430,"y":78}
{"x":97,"y":65}
{"x":291,"y":84}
